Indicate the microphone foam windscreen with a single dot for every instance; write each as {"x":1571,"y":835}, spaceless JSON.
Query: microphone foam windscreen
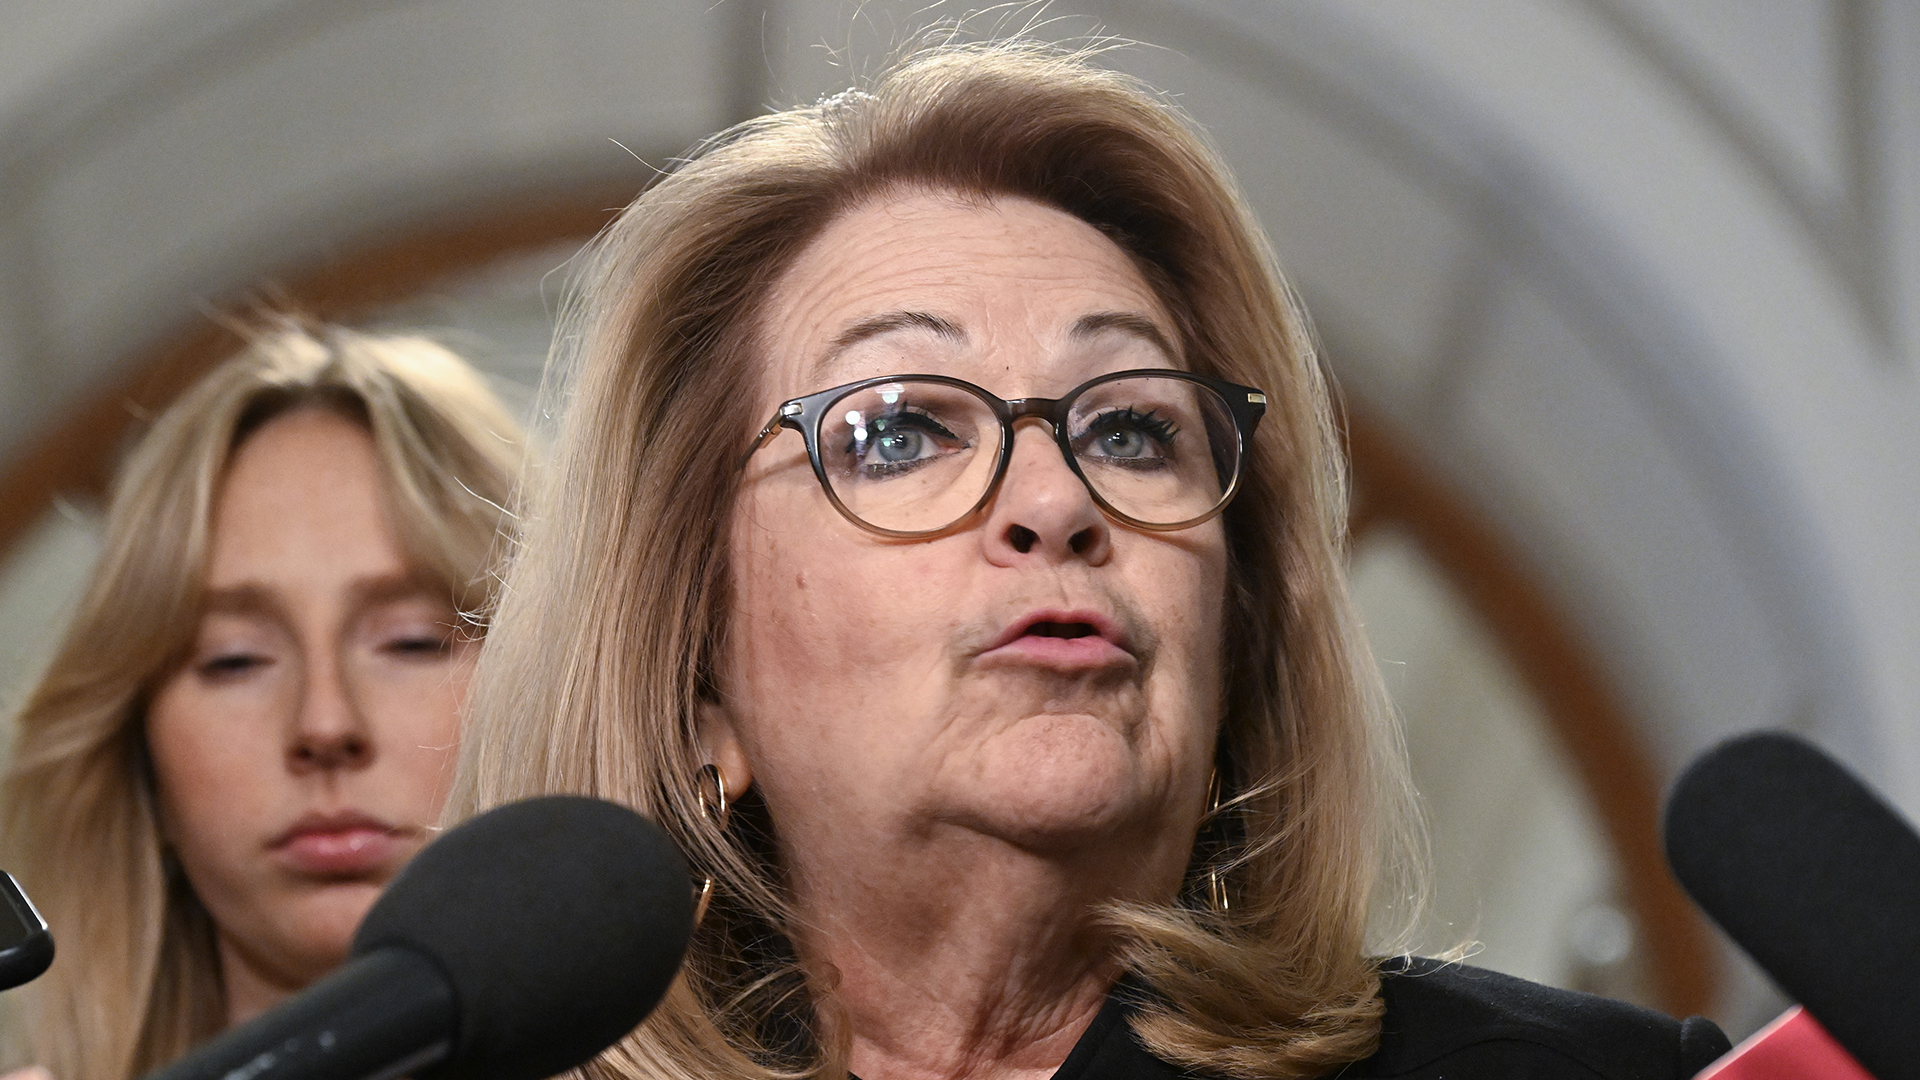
{"x":560,"y":922}
{"x":1816,"y":878}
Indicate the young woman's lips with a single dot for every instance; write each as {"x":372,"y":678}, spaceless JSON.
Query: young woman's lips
{"x":341,"y":845}
{"x":1062,"y":640}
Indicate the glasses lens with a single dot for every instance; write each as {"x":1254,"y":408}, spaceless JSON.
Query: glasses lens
{"x":909,"y":456}
{"x":1160,"y":450}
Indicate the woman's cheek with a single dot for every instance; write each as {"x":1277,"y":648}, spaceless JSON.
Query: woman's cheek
{"x":209,"y":746}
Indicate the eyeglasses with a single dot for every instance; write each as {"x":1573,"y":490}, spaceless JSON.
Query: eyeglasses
{"x":918,"y":455}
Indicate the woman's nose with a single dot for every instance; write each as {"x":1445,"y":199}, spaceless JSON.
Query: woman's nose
{"x":328,"y":730}
{"x":1042,"y":510}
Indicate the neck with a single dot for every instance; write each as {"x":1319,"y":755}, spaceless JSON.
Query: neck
{"x":962,"y":955}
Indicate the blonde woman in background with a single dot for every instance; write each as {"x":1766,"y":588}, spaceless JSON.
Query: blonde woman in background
{"x":251,"y":724}
{"x":945,"y":542}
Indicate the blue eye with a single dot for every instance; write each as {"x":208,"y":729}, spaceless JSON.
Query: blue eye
{"x":899,"y":442}
{"x":1122,"y":443}
{"x":1128,"y":437}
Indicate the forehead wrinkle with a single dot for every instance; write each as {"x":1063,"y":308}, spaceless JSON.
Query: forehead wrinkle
{"x":887,"y":322}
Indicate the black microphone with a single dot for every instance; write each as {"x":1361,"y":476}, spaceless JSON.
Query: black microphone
{"x":26,"y":945}
{"x":1816,"y":878}
{"x":517,"y":946}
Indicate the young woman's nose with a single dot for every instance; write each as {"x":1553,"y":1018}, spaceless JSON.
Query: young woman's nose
{"x":328,"y":730}
{"x":1042,"y":510}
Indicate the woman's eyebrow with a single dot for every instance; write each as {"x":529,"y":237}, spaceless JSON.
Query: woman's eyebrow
{"x":887,"y":322}
{"x":387,"y":588}
{"x":1126,"y":322}
{"x":245,"y":598}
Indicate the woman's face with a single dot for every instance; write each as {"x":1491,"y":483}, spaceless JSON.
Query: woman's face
{"x":306,"y":744}
{"x":1043,"y":677}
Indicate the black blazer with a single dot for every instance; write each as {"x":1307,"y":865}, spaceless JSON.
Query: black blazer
{"x":1453,"y":1022}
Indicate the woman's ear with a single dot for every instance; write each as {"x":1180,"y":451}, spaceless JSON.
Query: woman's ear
{"x":720,"y":741}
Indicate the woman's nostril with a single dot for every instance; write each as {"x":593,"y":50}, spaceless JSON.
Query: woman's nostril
{"x":1022,"y":538}
{"x":1081,"y":541}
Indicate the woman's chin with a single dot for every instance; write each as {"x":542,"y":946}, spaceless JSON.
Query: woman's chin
{"x":321,"y":925}
{"x":1055,"y":783}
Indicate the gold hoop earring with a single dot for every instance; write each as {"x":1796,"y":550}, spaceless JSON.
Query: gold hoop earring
{"x":715,"y":809}
{"x":1216,"y":879}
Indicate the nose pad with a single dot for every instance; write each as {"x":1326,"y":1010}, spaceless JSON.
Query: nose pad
{"x":1043,"y":507}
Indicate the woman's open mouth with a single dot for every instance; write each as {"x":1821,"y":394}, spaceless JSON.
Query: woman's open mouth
{"x":1063,"y":640}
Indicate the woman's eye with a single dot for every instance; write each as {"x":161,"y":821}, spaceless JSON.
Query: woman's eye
{"x":420,"y":645}
{"x":1127,"y":435}
{"x":897,"y":443}
{"x":230,"y":665}
{"x":1123,"y":442}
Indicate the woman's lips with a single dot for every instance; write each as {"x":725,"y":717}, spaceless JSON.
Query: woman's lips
{"x":1063,"y":640}
{"x":341,"y":845}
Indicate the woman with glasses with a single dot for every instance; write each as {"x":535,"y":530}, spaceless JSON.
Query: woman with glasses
{"x":945,"y":544}
{"x":250,"y":725}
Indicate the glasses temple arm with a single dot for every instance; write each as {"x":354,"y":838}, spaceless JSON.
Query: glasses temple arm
{"x":766,"y":436}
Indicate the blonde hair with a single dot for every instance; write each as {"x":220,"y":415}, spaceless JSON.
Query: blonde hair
{"x":136,"y":981}
{"x":614,"y":612}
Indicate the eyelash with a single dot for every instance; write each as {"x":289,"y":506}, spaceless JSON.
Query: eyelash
{"x":227,"y":665}
{"x":419,"y":644}
{"x":235,"y":664}
{"x":1161,"y":431}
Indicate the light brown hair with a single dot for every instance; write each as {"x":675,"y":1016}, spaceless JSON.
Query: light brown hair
{"x":136,"y":981}
{"x":615,"y":612}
